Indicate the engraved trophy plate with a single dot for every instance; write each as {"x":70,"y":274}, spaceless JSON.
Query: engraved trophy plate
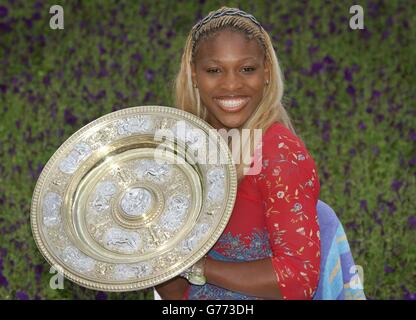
{"x":132,"y":199}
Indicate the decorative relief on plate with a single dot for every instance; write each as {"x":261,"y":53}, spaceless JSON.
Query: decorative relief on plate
{"x":137,"y":124}
{"x":71,"y":163}
{"x":193,"y":137}
{"x":150,"y":169}
{"x":124,"y":272}
{"x":103,"y":194}
{"x":191,"y":242}
{"x":77,"y":260}
{"x":122,"y":241}
{"x":175,"y":213}
{"x":51,"y":209}
{"x":103,"y":137}
{"x":216,"y":184}
{"x":136,"y":201}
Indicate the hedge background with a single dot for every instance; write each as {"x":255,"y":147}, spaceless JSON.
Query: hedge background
{"x":351,"y":94}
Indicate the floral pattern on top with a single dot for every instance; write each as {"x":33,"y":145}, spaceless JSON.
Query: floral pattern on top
{"x":275,"y":217}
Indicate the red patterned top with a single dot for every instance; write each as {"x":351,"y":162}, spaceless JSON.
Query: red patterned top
{"x":274,"y":216}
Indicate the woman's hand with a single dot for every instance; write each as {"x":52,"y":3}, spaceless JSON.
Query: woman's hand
{"x":173,"y":289}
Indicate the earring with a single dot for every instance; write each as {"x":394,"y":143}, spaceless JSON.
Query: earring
{"x":194,"y":85}
{"x":267,"y":82}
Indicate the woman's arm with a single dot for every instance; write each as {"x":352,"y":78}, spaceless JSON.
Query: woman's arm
{"x":173,"y":289}
{"x":253,"y":278}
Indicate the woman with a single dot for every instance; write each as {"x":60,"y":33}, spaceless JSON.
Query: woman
{"x":270,"y":249}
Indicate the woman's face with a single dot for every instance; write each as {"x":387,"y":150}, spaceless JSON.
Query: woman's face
{"x":230,"y":72}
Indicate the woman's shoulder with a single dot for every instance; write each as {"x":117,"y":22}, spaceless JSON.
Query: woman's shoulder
{"x":279,"y":137}
{"x":284,"y":154}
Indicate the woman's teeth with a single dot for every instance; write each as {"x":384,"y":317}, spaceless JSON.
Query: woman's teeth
{"x":231,"y":103}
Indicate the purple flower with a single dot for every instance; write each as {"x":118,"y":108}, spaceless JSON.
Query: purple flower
{"x":388,"y":269}
{"x":396,"y":185}
{"x":69,"y":117}
{"x":3,"y":11}
{"x":328,"y":60}
{"x":347,"y":75}
{"x":3,"y":281}
{"x":137,"y":57}
{"x":410,"y":296}
{"x":133,"y":70}
{"x":353,"y":152}
{"x":36,"y":16}
{"x":38,"y":272}
{"x":411,"y":221}
{"x":392,"y":207}
{"x":5,"y":27}
{"x":379,"y":118}
{"x":101,"y":49}
{"x":288,"y":43}
{"x":369,"y":110}
{"x":376,"y":150}
{"x":28,"y":23}
{"x":3,"y":253}
{"x":376,"y":94}
{"x":316,"y":68}
{"x":101,"y":296}
{"x":412,"y":134}
{"x":101,"y":94}
{"x":365,"y":34}
{"x":332,"y":27}
{"x":46,"y":80}
{"x":3,"y":87}
{"x":20,"y":295}
{"x":143,"y":11}
{"x":103,"y":70}
{"x":363,"y":205}
{"x":312,"y":50}
{"x":412,"y":162}
{"x":361,"y":125}
{"x":171,"y":33}
{"x":149,"y":95}
{"x":351,"y":226}
{"x":149,"y":75}
{"x":351,"y":90}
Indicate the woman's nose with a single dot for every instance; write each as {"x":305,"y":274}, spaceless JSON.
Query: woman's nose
{"x":232,"y":81}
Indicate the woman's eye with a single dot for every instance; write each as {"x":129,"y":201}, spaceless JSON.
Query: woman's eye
{"x":248,"y":69}
{"x":213,"y":70}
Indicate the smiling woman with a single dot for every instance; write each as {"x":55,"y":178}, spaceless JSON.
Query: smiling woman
{"x":231,"y":73}
{"x":230,"y":77}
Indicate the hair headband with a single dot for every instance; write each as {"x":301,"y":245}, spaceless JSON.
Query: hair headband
{"x":227,"y":12}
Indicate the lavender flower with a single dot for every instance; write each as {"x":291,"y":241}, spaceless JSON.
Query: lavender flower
{"x":69,"y":117}
{"x":3,"y":281}
{"x":388,"y":269}
{"x":101,"y":296}
{"x":363,"y":205}
{"x":347,"y":75}
{"x":396,"y":185}
{"x":21,"y":295}
{"x":411,"y":221}
{"x":351,"y":90}
{"x":316,"y":68}
{"x":3,"y":11}
{"x":361,"y":125}
{"x":149,"y":75}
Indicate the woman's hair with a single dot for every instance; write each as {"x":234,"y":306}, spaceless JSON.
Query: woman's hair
{"x":270,"y":108}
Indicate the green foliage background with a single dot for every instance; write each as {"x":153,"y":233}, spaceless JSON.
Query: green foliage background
{"x":350,"y":93}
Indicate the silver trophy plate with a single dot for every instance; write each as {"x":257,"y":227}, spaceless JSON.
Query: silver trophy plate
{"x":134,"y":198}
